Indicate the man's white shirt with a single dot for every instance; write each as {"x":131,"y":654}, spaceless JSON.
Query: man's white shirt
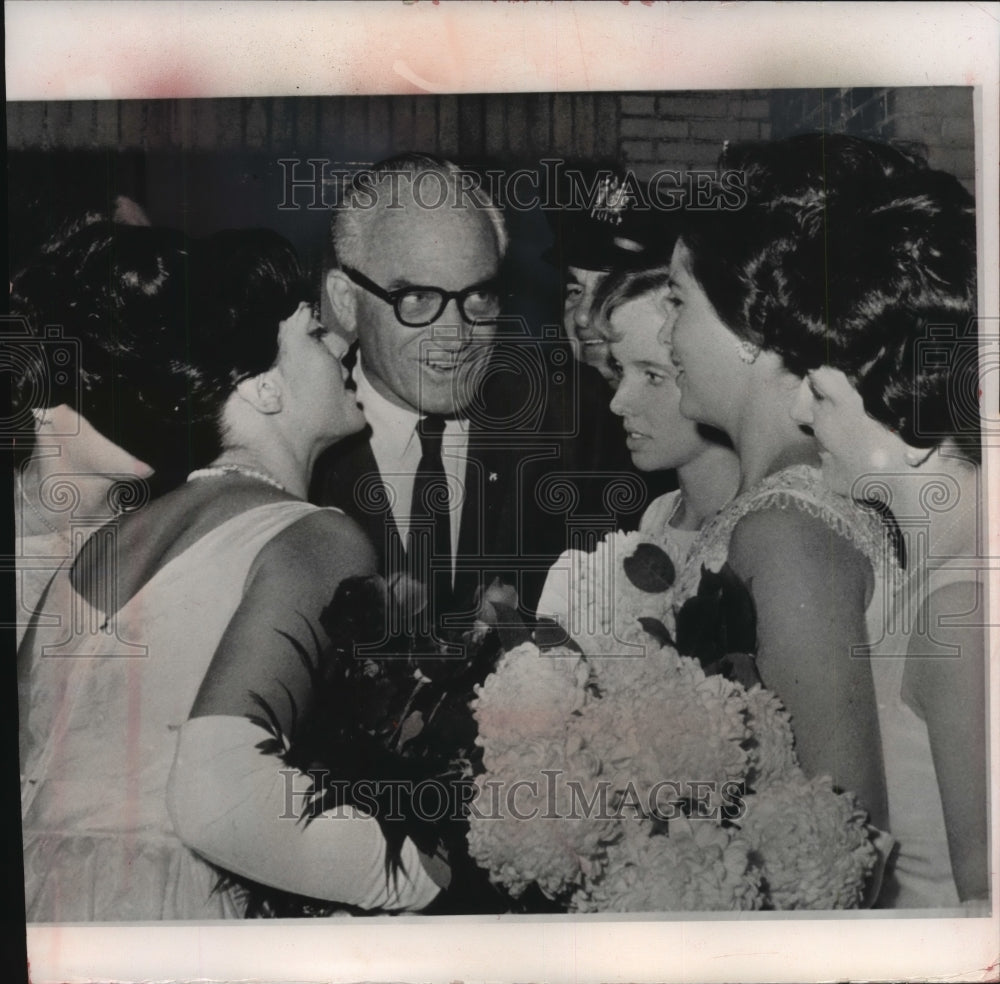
{"x":396,"y":447}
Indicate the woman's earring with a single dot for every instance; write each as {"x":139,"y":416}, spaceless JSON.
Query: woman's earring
{"x":747,"y":351}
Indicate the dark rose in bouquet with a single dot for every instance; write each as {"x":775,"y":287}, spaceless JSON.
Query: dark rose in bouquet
{"x":390,"y":729}
{"x":718,"y":627}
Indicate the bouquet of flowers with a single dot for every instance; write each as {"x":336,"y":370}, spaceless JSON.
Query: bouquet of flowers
{"x":391,"y":729}
{"x":657,"y":778}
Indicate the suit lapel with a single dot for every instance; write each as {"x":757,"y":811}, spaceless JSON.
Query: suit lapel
{"x":347,"y":477}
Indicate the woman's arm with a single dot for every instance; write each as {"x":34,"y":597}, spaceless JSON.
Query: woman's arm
{"x":239,"y":807}
{"x":949,"y":692}
{"x":809,"y":587}
{"x":290,"y":583}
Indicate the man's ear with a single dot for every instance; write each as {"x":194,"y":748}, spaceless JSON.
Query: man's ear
{"x":343,"y":300}
{"x":262,"y":392}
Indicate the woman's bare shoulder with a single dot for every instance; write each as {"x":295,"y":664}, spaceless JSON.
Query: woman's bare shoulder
{"x":796,"y":540}
{"x":324,"y":544}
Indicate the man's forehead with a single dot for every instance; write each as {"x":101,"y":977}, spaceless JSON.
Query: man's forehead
{"x":454,"y":228}
{"x":582,"y":276}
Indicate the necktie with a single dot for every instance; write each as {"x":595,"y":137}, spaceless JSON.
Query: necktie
{"x":429,"y":541}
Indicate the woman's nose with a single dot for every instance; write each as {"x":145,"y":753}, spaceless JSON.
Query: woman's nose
{"x":583,"y":310}
{"x":802,"y":405}
{"x":620,"y":401}
{"x":666,"y":333}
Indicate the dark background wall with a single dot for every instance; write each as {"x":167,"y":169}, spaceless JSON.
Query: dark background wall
{"x":208,"y":164}
{"x":649,"y":130}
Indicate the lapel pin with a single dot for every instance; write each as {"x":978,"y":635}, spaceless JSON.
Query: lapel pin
{"x":494,"y":477}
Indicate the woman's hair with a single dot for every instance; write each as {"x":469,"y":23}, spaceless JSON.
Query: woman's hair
{"x":105,"y":316}
{"x":244,"y":283}
{"x":735,"y":254}
{"x":851,"y":254}
{"x":620,"y":288}
{"x":899,"y":312}
{"x":159,"y":328}
{"x":804,"y":166}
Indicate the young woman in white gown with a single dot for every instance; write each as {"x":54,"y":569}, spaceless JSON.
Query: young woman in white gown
{"x":807,"y":555}
{"x":892,"y":395}
{"x":142,"y":771}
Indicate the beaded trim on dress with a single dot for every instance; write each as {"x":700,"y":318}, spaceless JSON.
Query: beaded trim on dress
{"x":799,"y":487}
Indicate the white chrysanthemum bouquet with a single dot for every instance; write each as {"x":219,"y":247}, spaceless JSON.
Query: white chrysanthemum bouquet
{"x":630,"y":779}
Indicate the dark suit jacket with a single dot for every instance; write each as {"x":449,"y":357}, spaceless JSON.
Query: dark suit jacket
{"x":545,"y":470}
{"x":347,"y":476}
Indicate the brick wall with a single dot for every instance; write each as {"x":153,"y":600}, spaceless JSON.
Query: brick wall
{"x":204,"y":164}
{"x":646,"y":131}
{"x":686,"y":130}
{"x":936,"y":122}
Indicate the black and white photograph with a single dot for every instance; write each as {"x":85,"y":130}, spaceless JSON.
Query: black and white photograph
{"x":541,"y":509}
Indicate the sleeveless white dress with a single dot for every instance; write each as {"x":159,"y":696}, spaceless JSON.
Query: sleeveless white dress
{"x":922,"y":867}
{"x":921,"y":864}
{"x":656,"y":522}
{"x":99,"y":732}
{"x":799,"y":487}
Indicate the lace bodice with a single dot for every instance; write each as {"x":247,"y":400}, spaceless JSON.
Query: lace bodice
{"x":798,"y":487}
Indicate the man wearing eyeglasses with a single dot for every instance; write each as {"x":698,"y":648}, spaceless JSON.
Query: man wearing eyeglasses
{"x":418,"y":252}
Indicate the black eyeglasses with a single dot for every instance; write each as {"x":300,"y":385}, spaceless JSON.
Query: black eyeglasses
{"x":417,"y":307}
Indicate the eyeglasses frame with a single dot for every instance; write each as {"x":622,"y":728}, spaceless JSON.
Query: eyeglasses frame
{"x":447,"y":296}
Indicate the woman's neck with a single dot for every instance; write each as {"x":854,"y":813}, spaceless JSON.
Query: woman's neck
{"x":953,"y":526}
{"x":707,"y":483}
{"x":276,"y":462}
{"x":766,"y":438}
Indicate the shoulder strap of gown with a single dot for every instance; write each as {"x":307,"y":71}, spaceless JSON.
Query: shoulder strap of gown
{"x":799,"y":487}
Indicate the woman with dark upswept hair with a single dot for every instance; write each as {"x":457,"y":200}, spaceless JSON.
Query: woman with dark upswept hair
{"x":799,"y":326}
{"x":142,"y":763}
{"x":891,"y":393}
{"x":806,"y":555}
{"x":102,"y":310}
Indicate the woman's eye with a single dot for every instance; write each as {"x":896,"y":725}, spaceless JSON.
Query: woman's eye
{"x":655,"y":378}
{"x":572,"y":294}
{"x":671,"y":298}
{"x":616,"y":367}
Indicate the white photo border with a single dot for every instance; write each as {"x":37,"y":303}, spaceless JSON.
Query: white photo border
{"x":124,"y":50}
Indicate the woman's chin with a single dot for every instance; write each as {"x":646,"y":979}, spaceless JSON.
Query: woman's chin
{"x":350,"y":423}
{"x":646,"y":461}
